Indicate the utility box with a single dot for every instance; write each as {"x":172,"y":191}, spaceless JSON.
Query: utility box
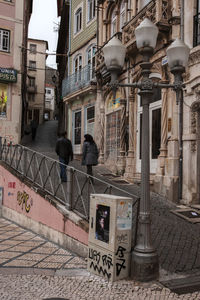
{"x":110,"y":235}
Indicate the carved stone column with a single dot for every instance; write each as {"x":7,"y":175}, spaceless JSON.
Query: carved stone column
{"x":121,"y":159}
{"x":102,"y":115}
{"x":163,"y":147}
{"x":130,"y":158}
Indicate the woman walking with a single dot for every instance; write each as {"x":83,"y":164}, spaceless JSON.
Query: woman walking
{"x":90,"y":153}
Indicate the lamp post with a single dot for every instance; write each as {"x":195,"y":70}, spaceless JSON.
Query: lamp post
{"x":145,"y":264}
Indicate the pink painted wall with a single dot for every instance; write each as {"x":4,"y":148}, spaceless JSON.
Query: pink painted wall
{"x":36,"y":208}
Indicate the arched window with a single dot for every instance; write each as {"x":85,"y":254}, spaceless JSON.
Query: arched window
{"x":122,"y":15}
{"x":77,"y":67}
{"x":91,"y":9}
{"x":113,"y":23}
{"x":78,"y":20}
{"x":90,"y":58}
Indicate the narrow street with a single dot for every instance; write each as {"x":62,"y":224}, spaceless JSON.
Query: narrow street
{"x":34,"y":268}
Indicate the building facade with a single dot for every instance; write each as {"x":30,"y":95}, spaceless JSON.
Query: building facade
{"x":36,"y":65}
{"x":78,"y":87}
{"x":174,"y":126}
{"x":174,"y":137}
{"x":14,"y":20}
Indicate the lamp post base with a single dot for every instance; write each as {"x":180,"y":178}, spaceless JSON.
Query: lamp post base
{"x":144,"y":266}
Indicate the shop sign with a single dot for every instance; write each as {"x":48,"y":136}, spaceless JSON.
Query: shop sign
{"x":8,"y":75}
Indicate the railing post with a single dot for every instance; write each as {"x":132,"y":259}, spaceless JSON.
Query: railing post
{"x":10,"y":146}
{"x":70,"y":187}
{"x":25,"y":161}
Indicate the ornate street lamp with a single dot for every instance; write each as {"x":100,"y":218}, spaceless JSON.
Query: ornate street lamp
{"x":145,"y":265}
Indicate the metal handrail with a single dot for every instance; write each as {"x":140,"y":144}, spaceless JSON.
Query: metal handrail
{"x":44,"y":172}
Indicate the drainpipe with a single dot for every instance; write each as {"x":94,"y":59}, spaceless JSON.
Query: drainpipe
{"x":180,"y":184}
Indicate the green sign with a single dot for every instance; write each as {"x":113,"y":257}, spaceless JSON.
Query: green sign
{"x":8,"y":75}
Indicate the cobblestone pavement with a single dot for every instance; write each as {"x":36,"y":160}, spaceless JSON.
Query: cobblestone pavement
{"x":32,"y":268}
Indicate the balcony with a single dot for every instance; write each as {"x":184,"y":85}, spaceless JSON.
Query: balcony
{"x":78,"y":80}
{"x":158,"y":11}
{"x":32,"y":89}
{"x":196,"y":30}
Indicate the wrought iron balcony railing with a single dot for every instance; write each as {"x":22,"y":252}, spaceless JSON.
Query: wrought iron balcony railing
{"x":78,"y":80}
{"x":196,"y":40}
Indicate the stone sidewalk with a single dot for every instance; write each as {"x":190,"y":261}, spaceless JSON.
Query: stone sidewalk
{"x":32,"y":268}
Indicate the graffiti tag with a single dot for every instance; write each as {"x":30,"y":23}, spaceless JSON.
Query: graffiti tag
{"x":22,"y":199}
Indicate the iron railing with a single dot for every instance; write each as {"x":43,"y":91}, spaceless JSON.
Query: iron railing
{"x":44,"y":173}
{"x":196,"y":39}
{"x":77,"y":80}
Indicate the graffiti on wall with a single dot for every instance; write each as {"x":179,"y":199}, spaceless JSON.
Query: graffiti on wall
{"x":105,"y":263}
{"x":24,"y":201}
{"x":101,"y":263}
{"x":12,"y":185}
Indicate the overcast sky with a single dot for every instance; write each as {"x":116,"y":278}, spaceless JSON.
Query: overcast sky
{"x":43,"y":24}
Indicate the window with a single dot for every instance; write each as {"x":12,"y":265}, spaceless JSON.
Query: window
{"x":32,"y":64}
{"x":122,"y":15}
{"x":77,"y":128}
{"x":4,"y":40}
{"x":91,"y":9}
{"x":89,"y":126}
{"x":78,"y":20}
{"x":48,"y":91}
{"x":129,"y":10}
{"x":31,"y":81}
{"x":91,"y":61}
{"x":33,"y":48}
{"x":113,"y":23}
{"x":3,"y":99}
{"x":78,"y":67}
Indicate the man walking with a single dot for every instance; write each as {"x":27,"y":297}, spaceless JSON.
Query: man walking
{"x":65,"y":152}
{"x":34,"y":126}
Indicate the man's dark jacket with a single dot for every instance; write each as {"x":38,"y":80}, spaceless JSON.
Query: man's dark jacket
{"x":64,"y":149}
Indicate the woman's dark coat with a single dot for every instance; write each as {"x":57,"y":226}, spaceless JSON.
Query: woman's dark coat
{"x":90,"y":154}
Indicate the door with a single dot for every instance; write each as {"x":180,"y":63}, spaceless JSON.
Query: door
{"x":89,"y":120}
{"x":76,"y":132}
{"x":113,"y":135}
{"x":154,"y":133}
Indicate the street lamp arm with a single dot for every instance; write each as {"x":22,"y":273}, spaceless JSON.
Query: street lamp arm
{"x":148,"y":84}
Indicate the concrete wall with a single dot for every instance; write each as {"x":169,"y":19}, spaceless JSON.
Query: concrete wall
{"x":25,"y":206}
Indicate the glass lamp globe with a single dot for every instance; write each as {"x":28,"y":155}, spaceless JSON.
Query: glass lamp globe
{"x":146,"y":34}
{"x":178,"y":54}
{"x":114,"y":54}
